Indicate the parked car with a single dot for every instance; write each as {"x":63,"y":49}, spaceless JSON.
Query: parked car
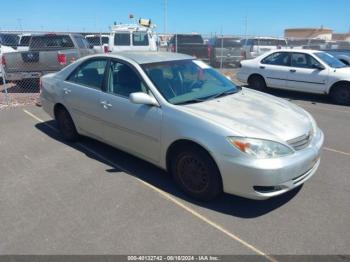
{"x":132,"y":38}
{"x":99,"y":42}
{"x":47,"y":53}
{"x":300,"y":70}
{"x":185,"y":117}
{"x":225,"y":50}
{"x":8,"y":44}
{"x":190,"y":44}
{"x":342,"y":55}
{"x":254,"y":47}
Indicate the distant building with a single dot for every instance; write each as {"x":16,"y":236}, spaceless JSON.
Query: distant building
{"x":341,"y":37}
{"x":319,"y":33}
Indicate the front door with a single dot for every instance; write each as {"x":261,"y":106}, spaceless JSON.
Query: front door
{"x":132,"y":127}
{"x":305,"y":74}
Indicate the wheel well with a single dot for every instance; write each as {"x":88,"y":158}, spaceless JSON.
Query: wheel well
{"x":58,"y":107}
{"x":255,"y":75}
{"x":179,"y":145}
{"x":338,"y":84}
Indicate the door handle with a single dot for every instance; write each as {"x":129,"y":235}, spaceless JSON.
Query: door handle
{"x":293,"y":70}
{"x":66,"y":91}
{"x":262,"y":67}
{"x":106,"y":105}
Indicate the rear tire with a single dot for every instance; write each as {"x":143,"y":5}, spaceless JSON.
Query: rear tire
{"x":196,"y":173}
{"x":257,"y":82}
{"x":66,"y":125}
{"x":340,"y":94}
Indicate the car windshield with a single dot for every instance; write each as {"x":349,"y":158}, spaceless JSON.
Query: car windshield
{"x":188,"y":81}
{"x":330,"y":60}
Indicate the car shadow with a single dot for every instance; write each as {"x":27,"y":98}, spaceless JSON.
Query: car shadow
{"x":119,"y":161}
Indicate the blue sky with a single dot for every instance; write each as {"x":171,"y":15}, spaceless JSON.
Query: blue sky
{"x":265,"y":17}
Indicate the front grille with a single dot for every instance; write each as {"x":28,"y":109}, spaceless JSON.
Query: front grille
{"x":300,"y":142}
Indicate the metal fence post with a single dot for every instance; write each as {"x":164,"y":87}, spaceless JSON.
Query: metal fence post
{"x":7,"y":100}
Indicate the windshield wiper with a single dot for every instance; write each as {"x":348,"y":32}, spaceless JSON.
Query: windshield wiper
{"x":192,"y":101}
{"x":225,"y":93}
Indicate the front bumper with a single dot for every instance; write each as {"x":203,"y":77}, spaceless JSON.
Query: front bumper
{"x":264,"y":178}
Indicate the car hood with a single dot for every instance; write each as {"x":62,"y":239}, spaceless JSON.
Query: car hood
{"x":254,"y":114}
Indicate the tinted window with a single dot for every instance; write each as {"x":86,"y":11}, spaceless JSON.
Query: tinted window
{"x":279,"y":58}
{"x":90,"y":73}
{"x":25,"y":40}
{"x":123,"y":80}
{"x":304,"y":61}
{"x":122,"y":39}
{"x":188,"y":39}
{"x":227,"y":42}
{"x":9,"y":39}
{"x":51,"y":42}
{"x":140,"y":39}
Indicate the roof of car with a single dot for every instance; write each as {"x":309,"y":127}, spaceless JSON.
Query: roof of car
{"x":306,"y":51}
{"x":152,"y":57}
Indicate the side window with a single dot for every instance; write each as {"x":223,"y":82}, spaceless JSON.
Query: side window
{"x":279,"y":58}
{"x":90,"y":74}
{"x":140,"y":38}
{"x":80,"y":42}
{"x":304,"y":61}
{"x":123,"y":80}
{"x":122,"y":39}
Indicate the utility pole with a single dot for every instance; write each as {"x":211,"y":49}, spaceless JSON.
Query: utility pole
{"x":165,"y":16}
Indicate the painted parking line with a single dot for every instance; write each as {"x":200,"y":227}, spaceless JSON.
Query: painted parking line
{"x":168,"y":197}
{"x":336,"y":151}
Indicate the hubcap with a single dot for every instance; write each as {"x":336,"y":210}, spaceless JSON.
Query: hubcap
{"x":193,"y":174}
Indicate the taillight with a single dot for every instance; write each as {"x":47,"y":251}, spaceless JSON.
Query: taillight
{"x":61,"y":59}
{"x":3,"y":60}
{"x":40,"y":84}
{"x":209,"y":51}
{"x":105,"y":49}
{"x":173,"y":49}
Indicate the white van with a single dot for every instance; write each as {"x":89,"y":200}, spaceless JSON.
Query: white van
{"x":132,"y":38}
{"x":256,"y":46}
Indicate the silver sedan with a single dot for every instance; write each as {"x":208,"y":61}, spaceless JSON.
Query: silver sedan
{"x":185,"y":117}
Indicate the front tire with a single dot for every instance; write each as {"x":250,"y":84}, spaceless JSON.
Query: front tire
{"x":257,"y":82}
{"x":196,"y":173}
{"x":340,"y":94}
{"x":66,"y":125}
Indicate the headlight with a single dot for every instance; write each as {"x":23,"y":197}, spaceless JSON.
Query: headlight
{"x":259,"y":148}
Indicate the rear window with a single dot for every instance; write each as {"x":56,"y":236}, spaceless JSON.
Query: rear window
{"x":9,"y":39}
{"x":96,"y":40}
{"x":189,"y":39}
{"x":227,"y":42}
{"x":25,"y":40}
{"x":122,"y":39}
{"x":51,"y":42}
{"x":140,"y":39}
{"x":269,"y":42}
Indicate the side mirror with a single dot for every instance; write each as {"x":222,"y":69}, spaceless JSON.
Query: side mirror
{"x":143,"y":99}
{"x":319,"y":67}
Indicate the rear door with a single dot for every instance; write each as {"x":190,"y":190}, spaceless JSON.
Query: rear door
{"x":275,"y":69}
{"x":305,"y":75}
{"x":82,"y":95}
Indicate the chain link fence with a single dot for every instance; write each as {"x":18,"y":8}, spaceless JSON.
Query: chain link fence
{"x":26,"y":56}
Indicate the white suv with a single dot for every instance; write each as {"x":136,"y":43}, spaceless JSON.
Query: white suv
{"x":299,"y":70}
{"x":132,"y":38}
